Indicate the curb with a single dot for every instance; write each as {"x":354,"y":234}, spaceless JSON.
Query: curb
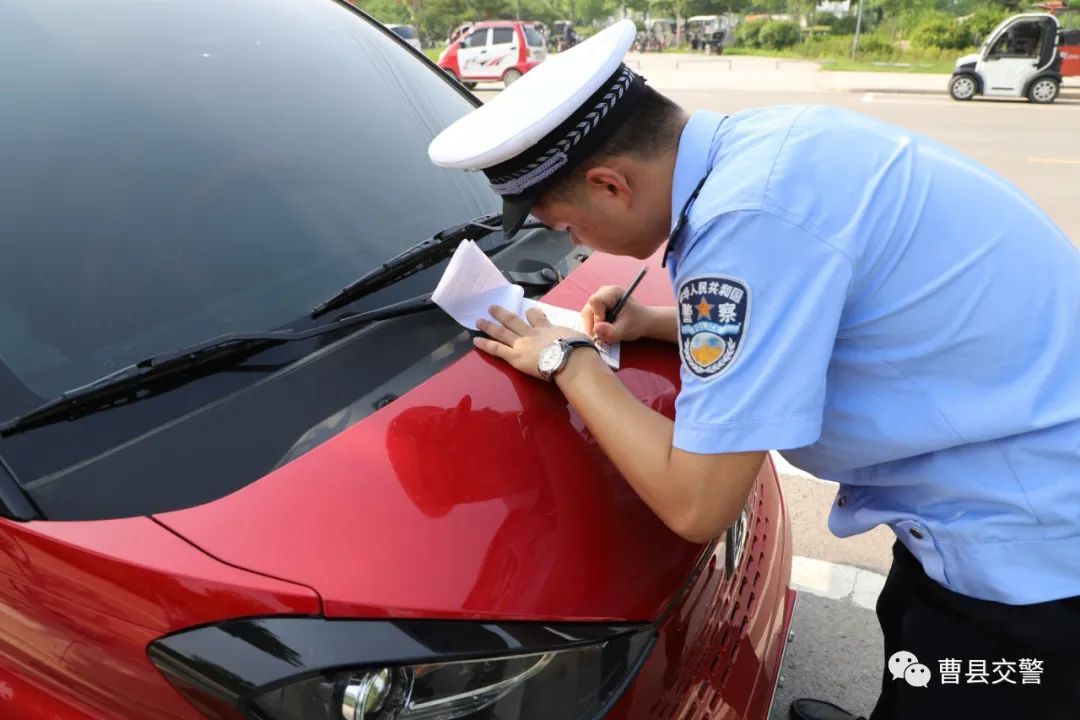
{"x":834,"y":581}
{"x":897,"y":91}
{"x":1067,"y":93}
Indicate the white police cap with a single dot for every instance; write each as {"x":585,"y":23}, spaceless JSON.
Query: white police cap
{"x":547,"y":122}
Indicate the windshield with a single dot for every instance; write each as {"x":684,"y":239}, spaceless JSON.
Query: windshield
{"x":532,"y":37}
{"x":177,"y":171}
{"x":406,"y":32}
{"x":993,"y":33}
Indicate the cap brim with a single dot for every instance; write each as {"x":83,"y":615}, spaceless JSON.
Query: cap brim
{"x":515,"y":211}
{"x":524,"y":113}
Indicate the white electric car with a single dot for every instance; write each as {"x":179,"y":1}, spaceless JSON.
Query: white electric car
{"x":1020,"y":58}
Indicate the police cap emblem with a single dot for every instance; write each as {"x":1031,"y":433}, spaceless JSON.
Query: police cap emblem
{"x":713,"y":312}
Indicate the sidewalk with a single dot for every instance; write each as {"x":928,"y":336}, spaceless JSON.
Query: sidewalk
{"x":677,"y":71}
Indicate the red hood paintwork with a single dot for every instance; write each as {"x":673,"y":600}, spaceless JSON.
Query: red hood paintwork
{"x":479,"y":494}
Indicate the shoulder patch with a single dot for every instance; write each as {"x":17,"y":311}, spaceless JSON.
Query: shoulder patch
{"x":713,"y":312}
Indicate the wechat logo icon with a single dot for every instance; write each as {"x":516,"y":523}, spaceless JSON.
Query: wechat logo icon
{"x":904,"y":665}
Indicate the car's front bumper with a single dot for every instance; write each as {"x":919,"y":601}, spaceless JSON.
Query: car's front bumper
{"x":719,"y":652}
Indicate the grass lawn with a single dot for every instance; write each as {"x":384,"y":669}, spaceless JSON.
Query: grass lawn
{"x":434,"y":52}
{"x":843,"y":63}
{"x":915,"y":67}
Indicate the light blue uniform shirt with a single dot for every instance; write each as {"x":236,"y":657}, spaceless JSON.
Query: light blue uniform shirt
{"x":892,"y":316}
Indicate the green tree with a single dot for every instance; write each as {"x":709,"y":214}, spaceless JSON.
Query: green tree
{"x":983,"y":21}
{"x":749,"y":33}
{"x":444,"y":15}
{"x":386,"y":11}
{"x":588,"y":11}
{"x":899,"y":17}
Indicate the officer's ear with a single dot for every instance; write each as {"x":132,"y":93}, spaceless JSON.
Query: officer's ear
{"x":610,"y":183}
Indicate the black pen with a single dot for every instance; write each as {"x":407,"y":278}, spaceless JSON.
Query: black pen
{"x":611,"y":315}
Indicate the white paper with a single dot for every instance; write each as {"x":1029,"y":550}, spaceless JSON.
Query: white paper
{"x":471,"y":284}
{"x":572,"y":319}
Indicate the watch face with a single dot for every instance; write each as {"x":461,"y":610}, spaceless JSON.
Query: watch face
{"x":550,"y":357}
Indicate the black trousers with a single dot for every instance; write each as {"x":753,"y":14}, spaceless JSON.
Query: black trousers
{"x":958,"y":638}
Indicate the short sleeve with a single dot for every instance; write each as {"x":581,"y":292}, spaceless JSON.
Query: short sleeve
{"x":759,"y":301}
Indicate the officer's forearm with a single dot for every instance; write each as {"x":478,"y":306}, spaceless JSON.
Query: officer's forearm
{"x":696,"y":496}
{"x":662,"y":324}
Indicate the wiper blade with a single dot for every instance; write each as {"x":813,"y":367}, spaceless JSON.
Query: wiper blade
{"x":169,"y":370}
{"x":419,"y":257}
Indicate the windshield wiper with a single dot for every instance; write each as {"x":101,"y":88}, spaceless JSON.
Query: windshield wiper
{"x":168,"y":370}
{"x":419,"y":257}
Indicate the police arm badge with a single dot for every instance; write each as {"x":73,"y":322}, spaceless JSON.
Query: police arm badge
{"x":713,"y":312}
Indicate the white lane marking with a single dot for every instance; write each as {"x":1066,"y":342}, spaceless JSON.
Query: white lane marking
{"x":1052,"y":161}
{"x":785,"y":468}
{"x":836,"y":582}
{"x":868,"y":97}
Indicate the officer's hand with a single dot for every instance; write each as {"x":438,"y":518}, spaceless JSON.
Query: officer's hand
{"x":519,"y":342}
{"x":631,"y":324}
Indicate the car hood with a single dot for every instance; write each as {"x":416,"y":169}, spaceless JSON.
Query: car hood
{"x":479,"y":494}
{"x":967,"y":60}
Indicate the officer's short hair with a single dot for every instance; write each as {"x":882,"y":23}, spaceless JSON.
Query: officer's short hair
{"x":650,"y":131}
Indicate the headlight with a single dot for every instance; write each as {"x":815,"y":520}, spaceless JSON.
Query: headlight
{"x":429,"y":670}
{"x":475,"y":689}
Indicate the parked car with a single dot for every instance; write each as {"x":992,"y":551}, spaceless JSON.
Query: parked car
{"x":710,"y":33}
{"x":661,"y":33}
{"x":228,"y":491}
{"x":407,"y":33}
{"x":563,"y":36}
{"x":496,"y":51}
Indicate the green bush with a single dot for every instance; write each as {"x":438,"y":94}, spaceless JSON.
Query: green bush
{"x":824,"y":46}
{"x":872,"y":47}
{"x":779,"y":34}
{"x":941,"y":32}
{"x":982,"y":22}
{"x":748,"y":33}
{"x":845,"y":25}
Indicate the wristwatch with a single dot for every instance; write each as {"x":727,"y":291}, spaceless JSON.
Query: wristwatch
{"x":553,"y":358}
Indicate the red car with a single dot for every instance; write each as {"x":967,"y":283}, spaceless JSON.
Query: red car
{"x":497,"y":51}
{"x":230,"y":490}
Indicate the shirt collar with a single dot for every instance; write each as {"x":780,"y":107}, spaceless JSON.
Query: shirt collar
{"x":693,"y":162}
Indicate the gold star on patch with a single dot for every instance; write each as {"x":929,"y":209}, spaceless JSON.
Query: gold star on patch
{"x":703,"y":309}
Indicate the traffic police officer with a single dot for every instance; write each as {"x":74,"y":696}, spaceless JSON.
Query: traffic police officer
{"x":881,"y":310}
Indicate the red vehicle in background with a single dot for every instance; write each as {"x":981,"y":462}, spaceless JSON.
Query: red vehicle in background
{"x":1068,"y":36}
{"x":495,"y":51}
{"x":229,"y":491}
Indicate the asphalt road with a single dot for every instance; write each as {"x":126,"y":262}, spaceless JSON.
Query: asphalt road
{"x":836,"y":650}
{"x":1036,"y":147}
